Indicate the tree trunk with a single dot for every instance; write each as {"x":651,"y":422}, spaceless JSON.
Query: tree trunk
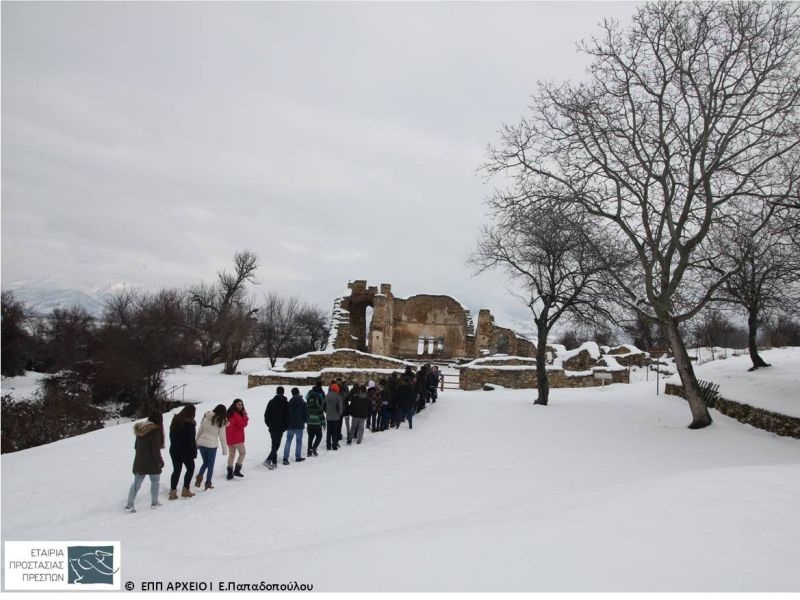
{"x":700,"y":415}
{"x":542,"y":384}
{"x":752,"y":346}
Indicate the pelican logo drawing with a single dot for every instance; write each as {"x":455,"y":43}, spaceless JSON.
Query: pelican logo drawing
{"x":91,"y":564}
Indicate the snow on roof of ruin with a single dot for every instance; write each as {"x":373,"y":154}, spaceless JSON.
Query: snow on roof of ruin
{"x":591,"y":347}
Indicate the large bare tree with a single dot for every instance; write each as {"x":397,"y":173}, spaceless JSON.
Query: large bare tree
{"x":278,"y":323}
{"x":552,"y":257}
{"x":221,"y":313}
{"x":684,"y":117}
{"x":766,"y":283}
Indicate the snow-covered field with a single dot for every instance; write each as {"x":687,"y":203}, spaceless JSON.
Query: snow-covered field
{"x":603,"y":490}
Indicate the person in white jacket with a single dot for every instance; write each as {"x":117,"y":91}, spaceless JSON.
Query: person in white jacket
{"x":210,"y":432}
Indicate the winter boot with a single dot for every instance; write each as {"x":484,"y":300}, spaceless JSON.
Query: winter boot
{"x":301,"y":459}
{"x":209,"y":486}
{"x":198,"y":480}
{"x":186,"y":493}
{"x":238,"y":470}
{"x":173,"y":494}
{"x":230,"y":474}
{"x":286,"y":461}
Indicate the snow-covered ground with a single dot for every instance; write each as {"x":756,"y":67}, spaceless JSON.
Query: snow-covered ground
{"x":776,"y":388}
{"x":603,"y":490}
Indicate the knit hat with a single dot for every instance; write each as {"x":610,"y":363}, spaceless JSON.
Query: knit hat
{"x":371,"y":384}
{"x":334,"y":387}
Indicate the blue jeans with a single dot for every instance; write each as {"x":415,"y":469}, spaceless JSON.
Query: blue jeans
{"x":209,"y":456}
{"x":410,"y":416}
{"x":291,"y":434}
{"x":138,"y":478}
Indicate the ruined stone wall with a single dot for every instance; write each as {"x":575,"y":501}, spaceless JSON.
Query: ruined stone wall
{"x":328,"y":376}
{"x":525,"y":377}
{"x":520,"y":372}
{"x":629,"y":356}
{"x":398,"y":323}
{"x":744,"y":413}
{"x":342,"y":358}
{"x":439,"y":317}
{"x":493,"y":339}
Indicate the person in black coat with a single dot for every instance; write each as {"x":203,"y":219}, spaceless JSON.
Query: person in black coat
{"x":296,"y":421}
{"x":182,"y":450}
{"x":405,"y":400}
{"x":359,"y":410}
{"x":277,"y":419}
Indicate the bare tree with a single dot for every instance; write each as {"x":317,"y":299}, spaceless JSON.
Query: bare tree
{"x":220,"y":313}
{"x":684,"y":117}
{"x":769,"y":268}
{"x":550,"y":254}
{"x":14,"y":335}
{"x":142,"y":336}
{"x":278,"y":323}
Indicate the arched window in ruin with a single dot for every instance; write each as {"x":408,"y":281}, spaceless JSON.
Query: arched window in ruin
{"x":421,"y":345}
{"x":431,"y":343}
{"x":440,"y":344}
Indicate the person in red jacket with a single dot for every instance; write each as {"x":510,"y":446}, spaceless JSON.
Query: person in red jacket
{"x":234,"y":436}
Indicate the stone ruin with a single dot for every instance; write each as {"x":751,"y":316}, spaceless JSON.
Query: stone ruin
{"x":585,"y":366}
{"x":437,"y":328}
{"x":421,"y":327}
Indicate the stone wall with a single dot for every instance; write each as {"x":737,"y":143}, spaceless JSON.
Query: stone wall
{"x":519,"y":374}
{"x":342,"y":358}
{"x":398,"y":324}
{"x":629,"y":356}
{"x":437,"y":317}
{"x":744,"y":413}
{"x":328,"y":376}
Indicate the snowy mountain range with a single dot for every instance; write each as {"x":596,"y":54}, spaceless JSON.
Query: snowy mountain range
{"x":42,"y":296}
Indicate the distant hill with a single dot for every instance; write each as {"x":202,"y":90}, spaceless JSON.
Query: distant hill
{"x":42,"y":297}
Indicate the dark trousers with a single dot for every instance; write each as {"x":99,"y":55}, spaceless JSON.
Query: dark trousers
{"x":332,"y":438}
{"x":314,"y":436}
{"x":372,"y":420}
{"x":177,"y":465}
{"x":385,"y":418}
{"x":408,"y":414}
{"x":276,"y":436}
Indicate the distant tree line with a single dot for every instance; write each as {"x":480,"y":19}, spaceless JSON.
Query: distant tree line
{"x":123,"y":356}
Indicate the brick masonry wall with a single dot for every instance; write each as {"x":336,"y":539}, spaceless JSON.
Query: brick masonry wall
{"x":744,"y":413}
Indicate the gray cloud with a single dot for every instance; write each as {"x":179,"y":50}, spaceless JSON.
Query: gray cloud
{"x":147,"y":142}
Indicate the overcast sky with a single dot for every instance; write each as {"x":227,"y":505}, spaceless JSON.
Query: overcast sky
{"x":147,"y":142}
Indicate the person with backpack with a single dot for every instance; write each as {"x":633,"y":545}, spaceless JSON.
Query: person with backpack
{"x":234,"y":436}
{"x":359,"y":409}
{"x":276,"y":417}
{"x":296,"y":421}
{"x":147,"y":460}
{"x":210,"y":433}
{"x":182,"y":450}
{"x":316,"y":417}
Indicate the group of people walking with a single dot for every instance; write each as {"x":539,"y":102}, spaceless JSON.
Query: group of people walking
{"x":376,"y":407}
